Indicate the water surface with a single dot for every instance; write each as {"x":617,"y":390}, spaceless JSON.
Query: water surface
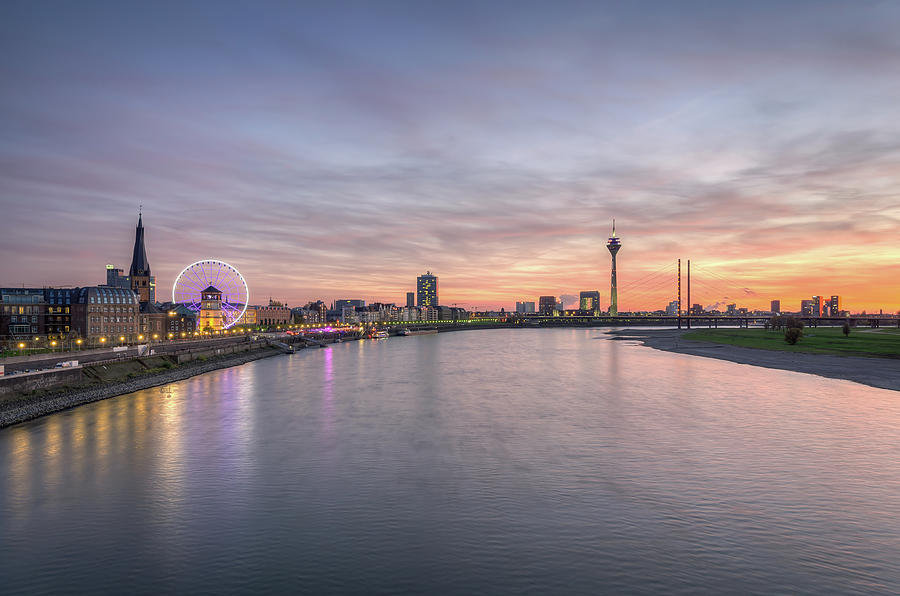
{"x":499,"y":461}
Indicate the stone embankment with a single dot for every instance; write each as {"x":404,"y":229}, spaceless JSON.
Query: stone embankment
{"x":13,"y":411}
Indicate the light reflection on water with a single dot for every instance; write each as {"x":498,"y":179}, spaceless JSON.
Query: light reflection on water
{"x":542,"y":461}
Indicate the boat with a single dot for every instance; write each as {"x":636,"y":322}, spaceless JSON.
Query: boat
{"x":381,"y":335}
{"x":407,"y":332}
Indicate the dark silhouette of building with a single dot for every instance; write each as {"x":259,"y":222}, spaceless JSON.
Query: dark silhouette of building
{"x":775,"y":307}
{"x":410,"y":299}
{"x":139,"y":273}
{"x":427,"y":290}
{"x":547,"y":305}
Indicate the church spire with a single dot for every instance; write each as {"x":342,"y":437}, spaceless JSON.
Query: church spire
{"x":139,"y":264}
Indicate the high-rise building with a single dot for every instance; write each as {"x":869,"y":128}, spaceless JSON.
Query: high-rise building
{"x":806,"y":308}
{"x":730,"y":309}
{"x":613,"y":244}
{"x":834,"y":306}
{"x":427,"y":290}
{"x":115,"y":279}
{"x":525,"y":308}
{"x":775,"y":307}
{"x":589,"y":300}
{"x":139,"y":273}
{"x":547,"y":305}
{"x":410,"y":299}
{"x":817,"y":305}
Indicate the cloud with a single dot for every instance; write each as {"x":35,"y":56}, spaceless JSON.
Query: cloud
{"x":330,"y":153}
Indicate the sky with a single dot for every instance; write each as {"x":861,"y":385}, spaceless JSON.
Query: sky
{"x":338,"y":150}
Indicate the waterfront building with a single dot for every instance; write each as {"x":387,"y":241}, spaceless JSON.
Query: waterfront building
{"x":211,"y":317}
{"x":410,"y":299}
{"x":273,"y":314}
{"x":23,"y":312}
{"x":547,"y":305}
{"x":730,"y":309}
{"x":613,"y":245}
{"x":589,"y":300}
{"x":775,"y":307}
{"x":106,"y":313}
{"x":427,"y":290}
{"x":139,"y":274}
{"x":180,"y":320}
{"x":525,"y":308}
{"x":313,"y":312}
{"x":697,"y":309}
{"x":58,"y":322}
{"x":249,"y":318}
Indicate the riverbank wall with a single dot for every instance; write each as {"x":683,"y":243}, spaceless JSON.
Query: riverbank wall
{"x":103,"y":381}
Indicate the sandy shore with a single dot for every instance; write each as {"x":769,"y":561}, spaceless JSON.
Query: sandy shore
{"x":877,"y":372}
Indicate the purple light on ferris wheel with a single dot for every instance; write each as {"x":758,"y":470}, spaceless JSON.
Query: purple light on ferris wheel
{"x":197,"y":277}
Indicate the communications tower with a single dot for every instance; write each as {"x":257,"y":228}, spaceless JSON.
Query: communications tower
{"x":613,"y":244}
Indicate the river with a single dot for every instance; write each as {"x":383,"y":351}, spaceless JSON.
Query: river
{"x":496,"y":461}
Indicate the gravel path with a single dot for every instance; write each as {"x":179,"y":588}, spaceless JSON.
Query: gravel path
{"x":28,"y":408}
{"x":876,"y":372}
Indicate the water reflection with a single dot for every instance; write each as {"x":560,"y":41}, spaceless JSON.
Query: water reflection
{"x":539,"y":461}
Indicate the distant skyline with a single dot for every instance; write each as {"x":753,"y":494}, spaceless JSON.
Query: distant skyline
{"x":341,"y":150}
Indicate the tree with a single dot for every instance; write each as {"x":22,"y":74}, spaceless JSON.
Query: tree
{"x":792,"y":335}
{"x":846,"y":329}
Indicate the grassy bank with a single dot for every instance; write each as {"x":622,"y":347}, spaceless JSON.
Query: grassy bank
{"x":881,"y":343}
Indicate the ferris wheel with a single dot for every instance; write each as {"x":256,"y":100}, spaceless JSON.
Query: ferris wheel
{"x":197,"y":277}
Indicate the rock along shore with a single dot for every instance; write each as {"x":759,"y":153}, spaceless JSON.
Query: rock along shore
{"x":883,"y":373}
{"x":30,"y":407}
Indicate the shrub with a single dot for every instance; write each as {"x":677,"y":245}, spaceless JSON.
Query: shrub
{"x":792,"y":335}
{"x":793,"y":323}
{"x":846,"y":329}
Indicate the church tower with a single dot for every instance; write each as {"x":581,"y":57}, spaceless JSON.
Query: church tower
{"x":140,"y":267}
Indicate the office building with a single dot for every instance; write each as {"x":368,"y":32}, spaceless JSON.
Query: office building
{"x":115,"y":277}
{"x":427,"y":290}
{"x":340,"y":305}
{"x":410,"y":299}
{"x":775,"y":307}
{"x":525,"y":308}
{"x":817,"y":306}
{"x":589,"y":300}
{"x":834,"y":306}
{"x":672,"y":309}
{"x":547,"y":305}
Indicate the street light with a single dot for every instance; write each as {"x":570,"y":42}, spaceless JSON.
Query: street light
{"x":102,"y":340}
{"x":140,"y":337}
{"x":155,"y":336}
